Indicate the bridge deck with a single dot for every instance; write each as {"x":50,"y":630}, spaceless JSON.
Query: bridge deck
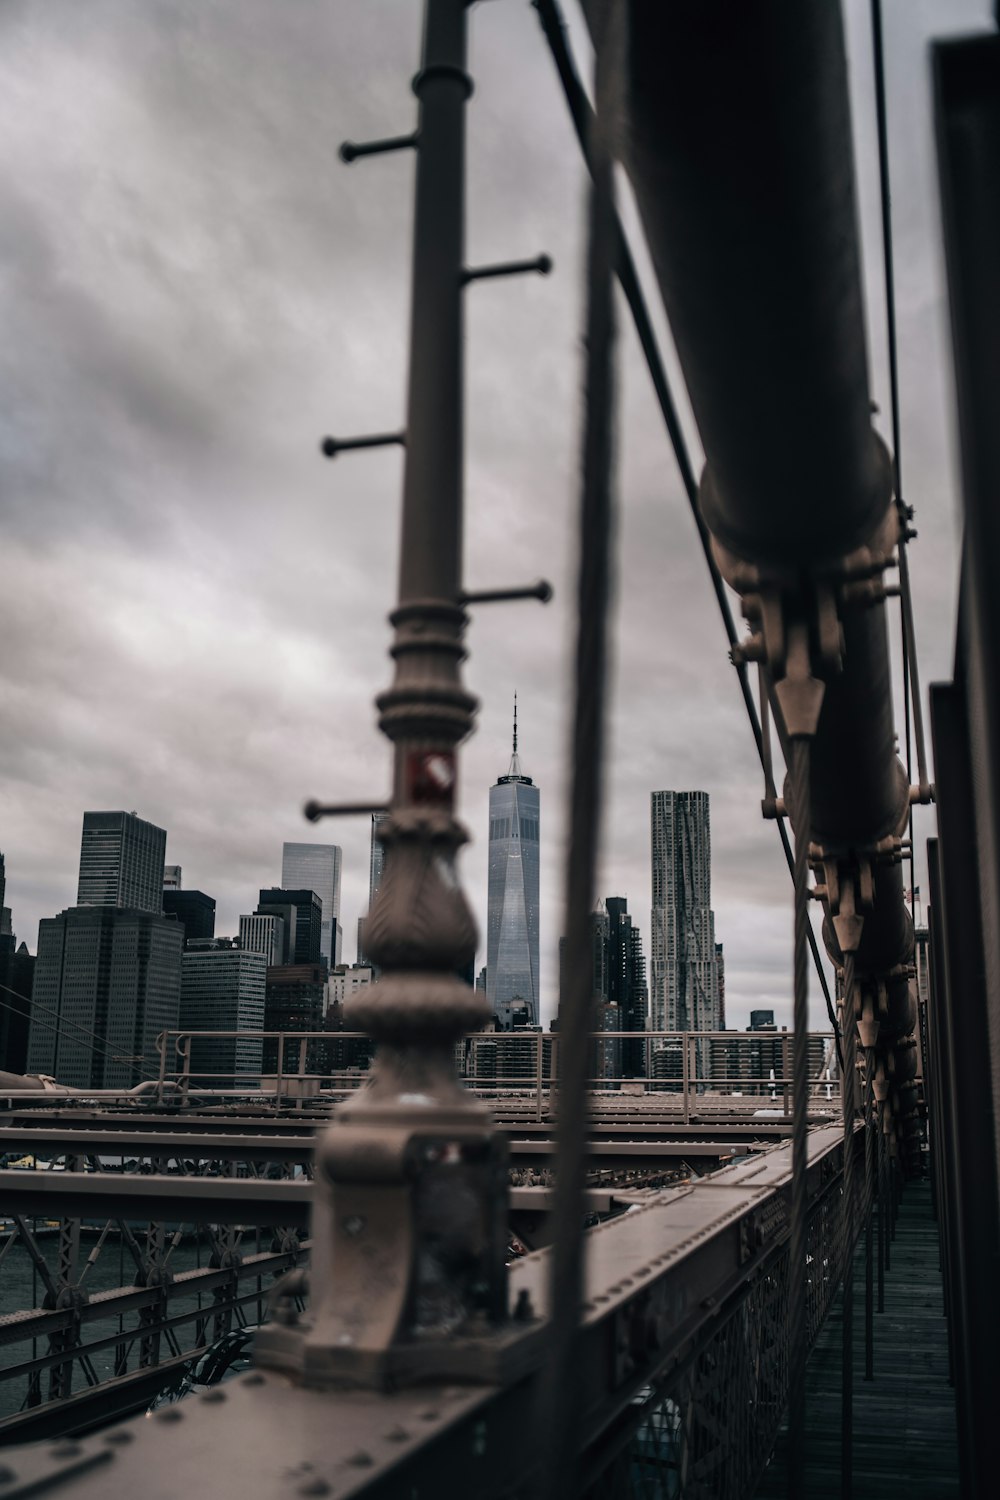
{"x":904,"y":1420}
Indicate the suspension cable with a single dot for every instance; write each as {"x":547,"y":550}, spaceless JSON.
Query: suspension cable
{"x":849,"y":1031}
{"x":581,"y":113}
{"x":100,"y":1044}
{"x":911,"y":676}
{"x":561,"y":1439}
{"x":798,"y":1306}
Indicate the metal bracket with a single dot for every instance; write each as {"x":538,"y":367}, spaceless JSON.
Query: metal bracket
{"x":541,"y":265}
{"x":541,"y":590}
{"x":316,"y":810}
{"x":352,"y":150}
{"x":331,"y":446}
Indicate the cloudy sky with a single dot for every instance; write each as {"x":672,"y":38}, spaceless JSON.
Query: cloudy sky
{"x":194,"y":289}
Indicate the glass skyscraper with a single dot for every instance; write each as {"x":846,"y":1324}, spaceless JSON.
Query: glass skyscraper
{"x":121,"y":862}
{"x":512,"y":901}
{"x":316,"y":867}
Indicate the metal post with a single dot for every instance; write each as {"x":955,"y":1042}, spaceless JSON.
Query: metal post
{"x":849,"y":1034}
{"x":161,"y":1047}
{"x":785,"y":1072}
{"x":279,"y":1070}
{"x":399,"y":1187}
{"x":686,"y":1081}
{"x":870,"y":1195}
{"x":538,"y":1077}
{"x":883,"y":1258}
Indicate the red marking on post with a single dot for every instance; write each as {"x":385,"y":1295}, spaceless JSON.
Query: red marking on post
{"x":430,"y":777}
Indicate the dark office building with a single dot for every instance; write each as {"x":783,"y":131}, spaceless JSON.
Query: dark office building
{"x":121,"y":862}
{"x":17,"y":967}
{"x":223,"y":988}
{"x":109,"y":980}
{"x":618,"y":988}
{"x":303,"y":915}
{"x":194,"y":911}
{"x":627,"y":989}
{"x":293,"y":1001}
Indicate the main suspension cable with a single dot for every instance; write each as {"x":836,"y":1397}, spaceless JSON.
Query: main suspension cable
{"x":911,"y":675}
{"x":581,"y":113}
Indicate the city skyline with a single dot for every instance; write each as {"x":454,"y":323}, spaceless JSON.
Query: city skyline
{"x":170,"y":644}
{"x":252,"y":923}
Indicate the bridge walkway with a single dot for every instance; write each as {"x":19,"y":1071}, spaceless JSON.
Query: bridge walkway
{"x":904,"y":1420}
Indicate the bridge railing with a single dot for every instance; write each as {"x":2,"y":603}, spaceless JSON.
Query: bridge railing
{"x":684,"y":1338}
{"x":688,"y":1073}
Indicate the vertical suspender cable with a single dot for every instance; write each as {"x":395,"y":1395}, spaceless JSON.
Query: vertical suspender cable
{"x":849,"y":1032}
{"x":561,"y":1435}
{"x":870,"y":1146}
{"x":798,"y":1309}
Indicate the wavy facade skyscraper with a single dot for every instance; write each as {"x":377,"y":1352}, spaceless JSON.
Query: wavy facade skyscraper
{"x":512,"y":898}
{"x":685,"y":989}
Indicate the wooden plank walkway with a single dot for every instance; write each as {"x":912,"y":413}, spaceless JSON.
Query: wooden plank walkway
{"x":904,"y":1420}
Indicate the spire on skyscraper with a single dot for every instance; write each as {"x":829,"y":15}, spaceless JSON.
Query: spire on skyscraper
{"x":515,"y":763}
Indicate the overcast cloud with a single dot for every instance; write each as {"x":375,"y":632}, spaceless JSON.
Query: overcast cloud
{"x":194,"y":290}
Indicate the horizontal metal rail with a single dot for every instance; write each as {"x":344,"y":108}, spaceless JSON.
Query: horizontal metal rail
{"x":180,"y":1199}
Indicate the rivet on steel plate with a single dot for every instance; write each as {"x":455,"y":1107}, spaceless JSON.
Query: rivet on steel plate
{"x":120,"y":1435}
{"x":313,"y":1487}
{"x":361,"y":1459}
{"x":397,"y":1435}
{"x":66,"y":1450}
{"x":214,"y":1395}
{"x":254,"y":1379}
{"x":168,"y":1414}
{"x":7,"y":1476}
{"x":429,"y":1416}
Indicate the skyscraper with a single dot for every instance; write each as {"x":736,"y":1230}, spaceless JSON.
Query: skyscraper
{"x":316,"y":867}
{"x":376,"y":864}
{"x":121,"y":862}
{"x":193,"y":910}
{"x":302,"y":913}
{"x":16,"y":976}
{"x":294,"y":1002}
{"x":627,"y":982}
{"x":5,"y":917}
{"x":685,"y":992}
{"x":223,"y":989}
{"x":107,"y":982}
{"x":618,"y":988}
{"x":512,"y":897}
{"x":264,"y":934}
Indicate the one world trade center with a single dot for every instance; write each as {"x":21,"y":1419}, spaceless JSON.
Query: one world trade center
{"x":512,"y":906}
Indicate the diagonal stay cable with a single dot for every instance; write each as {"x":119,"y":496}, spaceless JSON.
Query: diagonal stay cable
{"x":100,"y":1044}
{"x":581,"y":114}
